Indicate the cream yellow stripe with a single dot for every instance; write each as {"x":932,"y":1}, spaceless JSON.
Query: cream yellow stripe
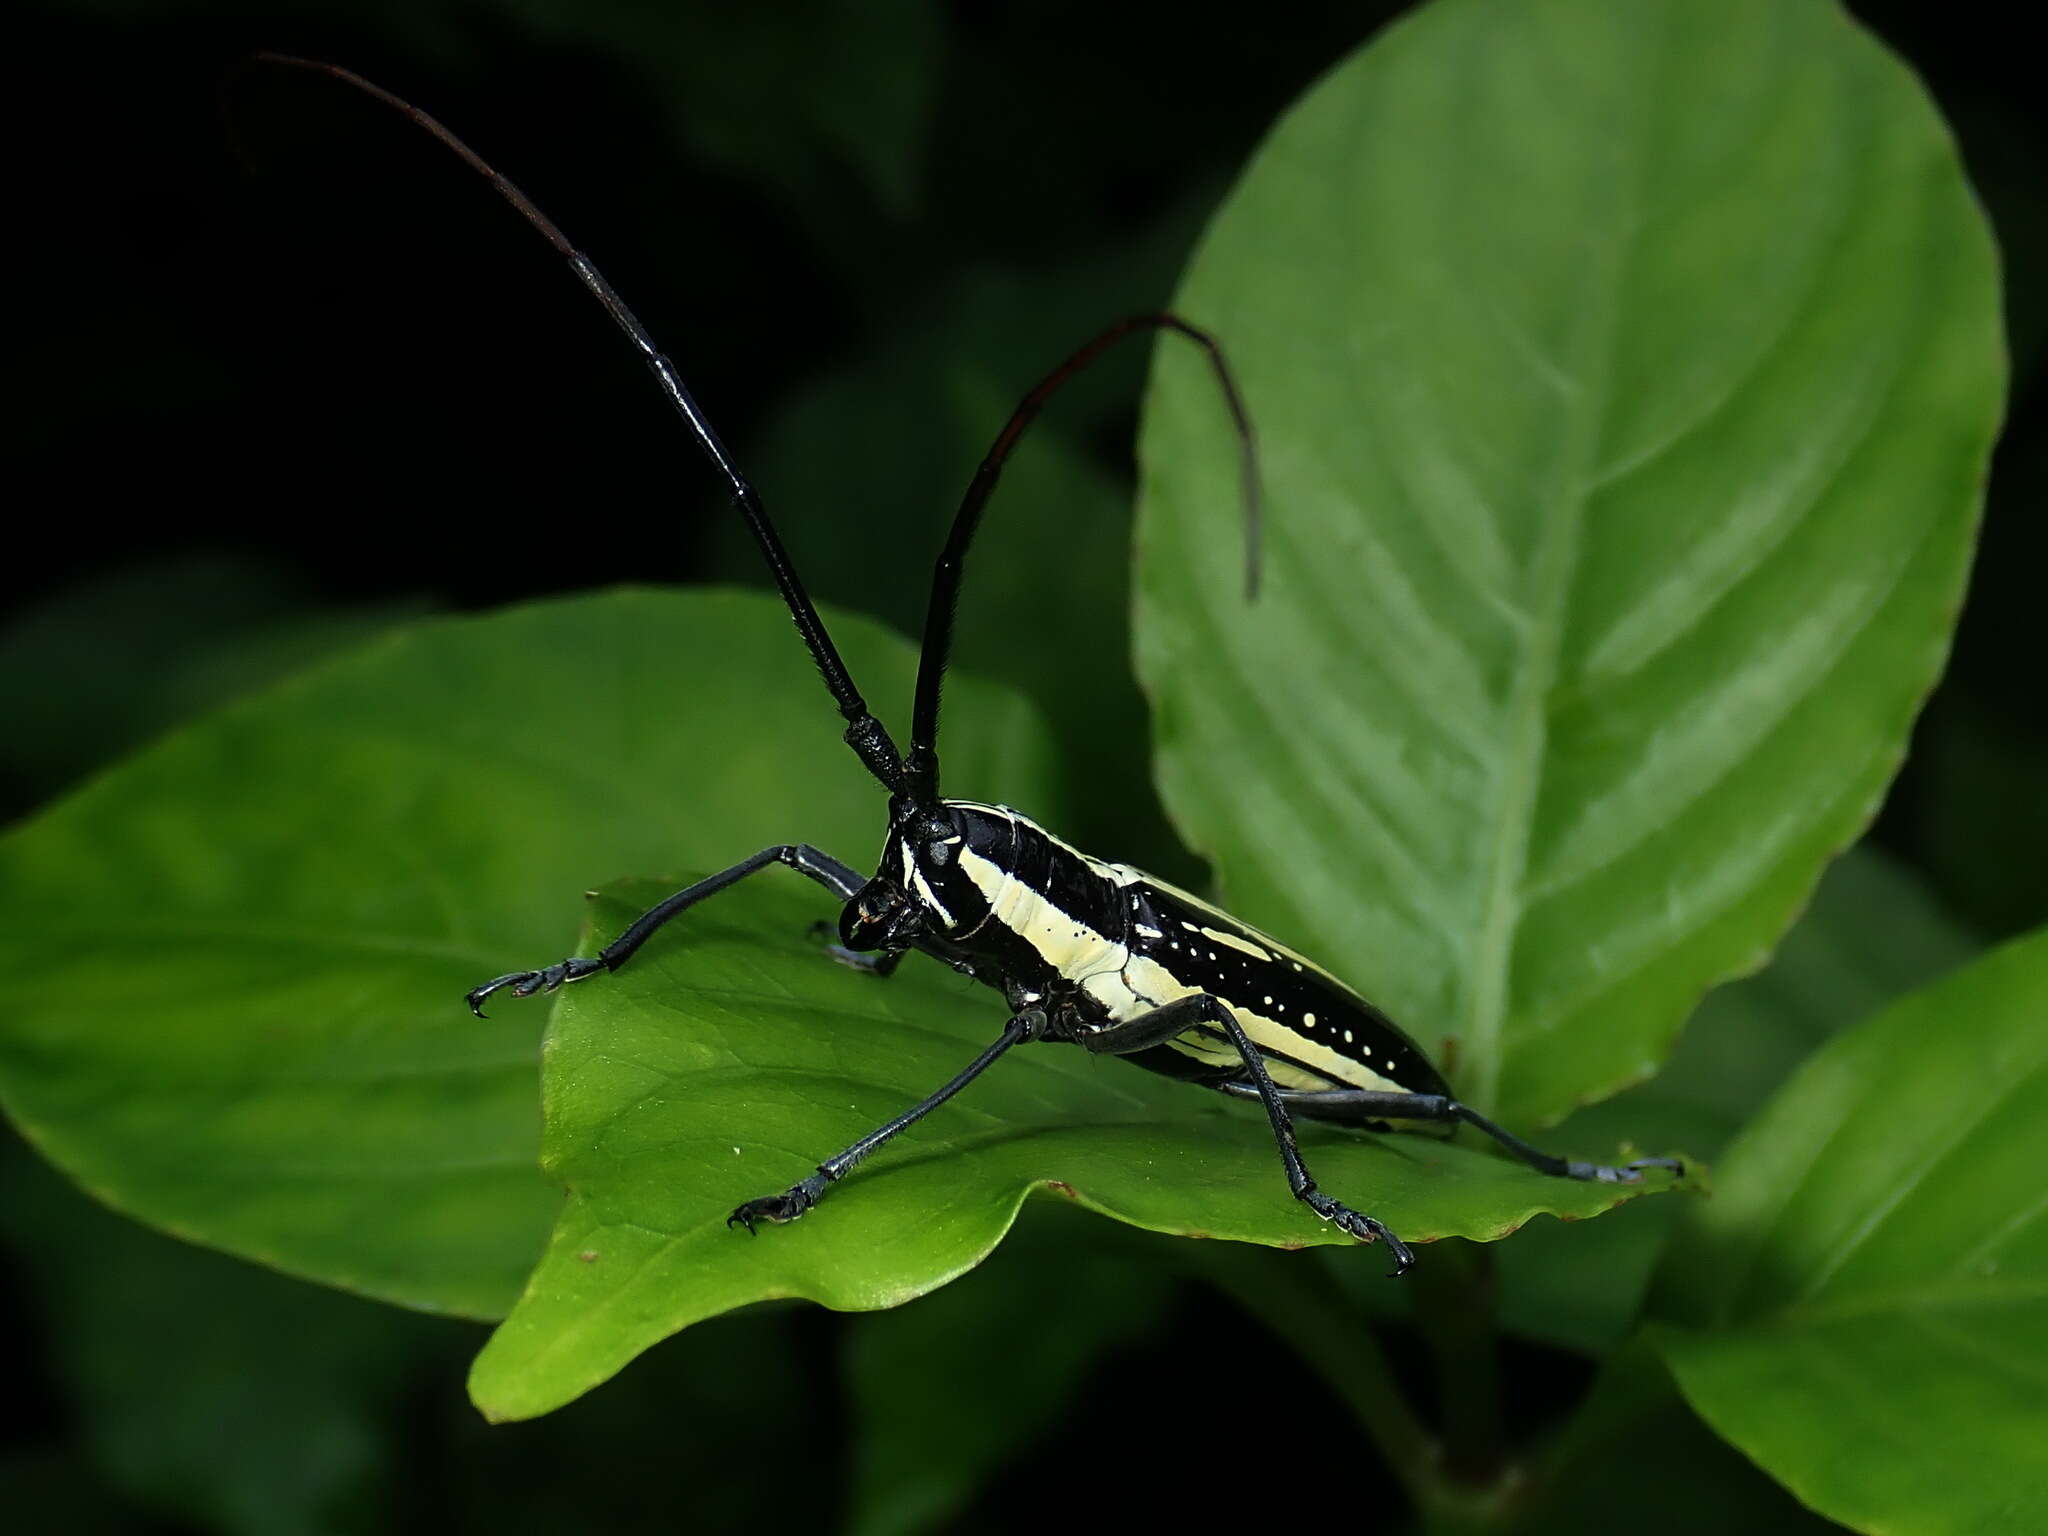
{"x":1152,"y":980}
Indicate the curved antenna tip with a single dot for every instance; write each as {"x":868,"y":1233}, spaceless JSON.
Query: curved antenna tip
{"x":1254,"y":533}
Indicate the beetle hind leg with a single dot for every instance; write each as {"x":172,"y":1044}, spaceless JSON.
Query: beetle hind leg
{"x":1155,"y":1028}
{"x":1359,"y":1106}
{"x":1365,"y":1228}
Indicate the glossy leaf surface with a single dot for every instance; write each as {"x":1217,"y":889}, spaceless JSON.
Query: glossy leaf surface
{"x":1625,"y":375}
{"x":1863,"y":1306}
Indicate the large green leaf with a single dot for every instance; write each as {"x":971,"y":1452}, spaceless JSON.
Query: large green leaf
{"x":238,"y":958}
{"x":728,"y":1059}
{"x":1863,"y":1306}
{"x":1625,"y":374}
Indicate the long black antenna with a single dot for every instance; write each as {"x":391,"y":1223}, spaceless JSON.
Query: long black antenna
{"x":864,"y":733}
{"x":921,"y":768}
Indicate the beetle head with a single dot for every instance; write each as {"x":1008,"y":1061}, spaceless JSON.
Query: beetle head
{"x":880,"y":916}
{"x":920,"y":888}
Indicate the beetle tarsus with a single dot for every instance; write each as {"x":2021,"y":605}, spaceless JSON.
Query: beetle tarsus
{"x":1627,"y":1173}
{"x":526,"y":983}
{"x":785,"y":1207}
{"x":1366,"y":1229}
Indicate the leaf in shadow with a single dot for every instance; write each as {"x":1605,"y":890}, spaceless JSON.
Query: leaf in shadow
{"x":1635,"y":1457}
{"x":1863,"y":1306}
{"x":1872,"y":935}
{"x":208,"y":1389}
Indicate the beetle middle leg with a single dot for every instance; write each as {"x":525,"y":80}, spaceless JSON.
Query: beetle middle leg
{"x":805,"y":1193}
{"x":1355,"y":1106}
{"x":1177,"y":1018}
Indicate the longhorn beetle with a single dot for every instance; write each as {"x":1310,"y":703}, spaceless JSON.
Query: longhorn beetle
{"x":1095,"y":954}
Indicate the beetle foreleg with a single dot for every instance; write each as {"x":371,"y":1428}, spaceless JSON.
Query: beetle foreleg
{"x":1177,"y":1018}
{"x":805,"y":1193}
{"x":836,"y":877}
{"x":1356,"y":1105}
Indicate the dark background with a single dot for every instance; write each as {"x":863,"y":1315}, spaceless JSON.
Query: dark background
{"x":285,"y":371}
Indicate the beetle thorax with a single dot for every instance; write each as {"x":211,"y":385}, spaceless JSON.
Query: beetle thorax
{"x":955,"y":863}
{"x":1038,"y":910}
{"x":991,"y":884}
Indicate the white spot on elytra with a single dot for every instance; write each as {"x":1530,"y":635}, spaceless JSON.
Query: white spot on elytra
{"x":1230,"y":940}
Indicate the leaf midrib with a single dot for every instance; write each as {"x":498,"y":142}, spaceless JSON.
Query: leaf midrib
{"x":1590,"y":362}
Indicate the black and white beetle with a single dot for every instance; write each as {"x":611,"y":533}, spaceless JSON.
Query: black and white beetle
{"x":1098,"y":955}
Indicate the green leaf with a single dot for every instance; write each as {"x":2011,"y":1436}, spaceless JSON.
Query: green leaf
{"x":1625,"y":375}
{"x":1872,"y":935}
{"x":1863,"y":1306}
{"x":238,"y":958}
{"x":728,"y":1059}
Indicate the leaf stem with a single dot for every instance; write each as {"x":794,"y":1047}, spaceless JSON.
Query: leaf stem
{"x":1454,"y":1307}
